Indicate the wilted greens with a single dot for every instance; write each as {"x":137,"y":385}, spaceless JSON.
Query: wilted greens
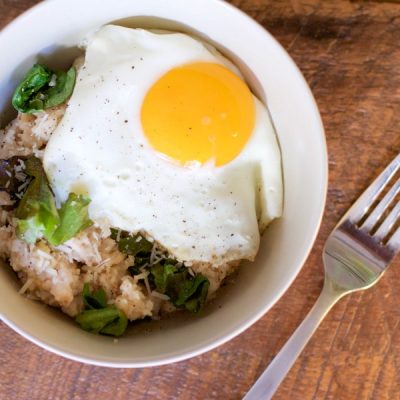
{"x":37,"y":215}
{"x":185,"y":291}
{"x":73,"y":219}
{"x":98,"y":317}
{"x":43,"y":88}
{"x":95,"y":300}
{"x":132,"y":245}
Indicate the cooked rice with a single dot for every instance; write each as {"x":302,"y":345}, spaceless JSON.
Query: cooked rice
{"x":56,"y":275}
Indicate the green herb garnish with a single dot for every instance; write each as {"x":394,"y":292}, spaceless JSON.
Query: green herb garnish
{"x":107,"y":321}
{"x":62,"y":90}
{"x":95,"y":300}
{"x":42,"y":88}
{"x":161,"y":274}
{"x":99,"y":317}
{"x":26,"y":96}
{"x":184,"y":290}
{"x":132,"y":245}
{"x":73,"y":219}
{"x":37,"y":213}
{"x":134,"y":270}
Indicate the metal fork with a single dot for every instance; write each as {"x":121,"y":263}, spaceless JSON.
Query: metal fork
{"x":356,"y":254}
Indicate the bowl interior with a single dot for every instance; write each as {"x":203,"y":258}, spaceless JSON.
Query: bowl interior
{"x":275,"y":79}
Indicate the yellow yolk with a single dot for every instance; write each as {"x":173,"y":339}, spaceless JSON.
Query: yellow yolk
{"x":199,"y":112}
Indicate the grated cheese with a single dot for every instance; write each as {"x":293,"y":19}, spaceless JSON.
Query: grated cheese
{"x":25,"y":286}
{"x":23,"y":186}
{"x":153,"y":254}
{"x":103,"y":263}
{"x":22,"y":163}
{"x":159,"y":295}
{"x":146,"y":282}
{"x":45,"y":255}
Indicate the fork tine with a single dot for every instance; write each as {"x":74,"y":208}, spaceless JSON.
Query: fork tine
{"x":394,"y":241}
{"x":388,"y":223}
{"x":376,"y":214}
{"x":361,"y":206}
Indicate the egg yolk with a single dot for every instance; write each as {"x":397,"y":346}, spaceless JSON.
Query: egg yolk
{"x":199,"y":112}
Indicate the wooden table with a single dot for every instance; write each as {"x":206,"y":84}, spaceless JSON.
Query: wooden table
{"x":349,"y":53}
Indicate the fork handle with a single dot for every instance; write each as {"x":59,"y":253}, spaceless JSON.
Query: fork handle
{"x":269,"y":381}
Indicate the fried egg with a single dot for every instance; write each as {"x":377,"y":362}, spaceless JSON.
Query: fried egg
{"x":165,"y":137}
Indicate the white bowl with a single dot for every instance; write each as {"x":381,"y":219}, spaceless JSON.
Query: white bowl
{"x":49,"y":30}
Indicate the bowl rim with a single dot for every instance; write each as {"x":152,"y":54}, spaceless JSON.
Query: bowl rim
{"x":223,"y":338}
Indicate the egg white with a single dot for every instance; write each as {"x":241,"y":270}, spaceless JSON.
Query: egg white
{"x":201,"y":213}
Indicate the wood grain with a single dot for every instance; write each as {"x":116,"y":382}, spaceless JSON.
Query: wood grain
{"x":349,"y":53}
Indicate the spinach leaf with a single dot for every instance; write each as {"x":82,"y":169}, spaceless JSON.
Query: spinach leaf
{"x":62,"y":90}
{"x":161,"y":273}
{"x":183,"y":289}
{"x":116,"y":327}
{"x":142,"y":259}
{"x":134,"y":269}
{"x":196,"y":302}
{"x":42,"y":88}
{"x":95,"y":300}
{"x":73,"y":219}
{"x":26,"y":98}
{"x":37,"y":213}
{"x":98,"y":317}
{"x":186,"y":291}
{"x":107,"y":321}
{"x":132,"y":245}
